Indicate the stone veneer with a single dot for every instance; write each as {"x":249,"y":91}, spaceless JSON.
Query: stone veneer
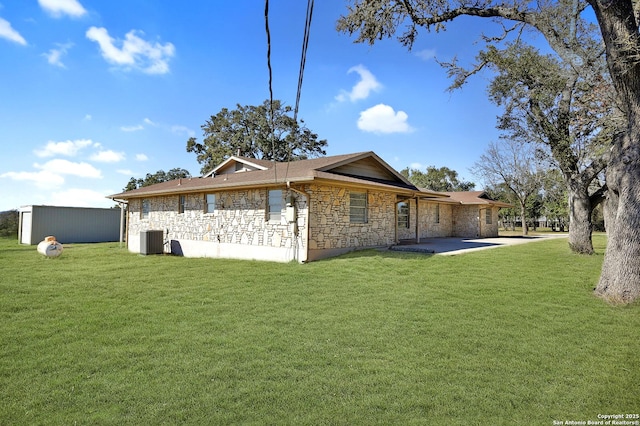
{"x":470,"y":222}
{"x":239,"y":227}
{"x":239,"y":218}
{"x":330,"y":228}
{"x":428,"y":227}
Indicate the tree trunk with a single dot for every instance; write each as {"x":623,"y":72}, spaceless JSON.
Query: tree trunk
{"x":580,"y":226}
{"x":610,"y":209}
{"x":620,"y":277}
{"x":523,"y":216}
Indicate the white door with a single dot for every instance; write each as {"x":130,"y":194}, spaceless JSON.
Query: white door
{"x":25,"y":231}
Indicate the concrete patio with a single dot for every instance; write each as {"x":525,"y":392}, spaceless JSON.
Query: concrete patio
{"x":453,"y":246}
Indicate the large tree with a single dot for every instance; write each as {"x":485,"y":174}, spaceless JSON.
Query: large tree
{"x":441,"y":179}
{"x":512,"y":163}
{"x":565,"y":108}
{"x":266,"y":131}
{"x":617,"y":20}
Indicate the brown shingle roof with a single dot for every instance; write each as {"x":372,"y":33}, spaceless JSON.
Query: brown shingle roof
{"x":475,"y":197}
{"x":278,"y":173}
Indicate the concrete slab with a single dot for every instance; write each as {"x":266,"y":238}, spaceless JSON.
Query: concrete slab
{"x":454,"y":246}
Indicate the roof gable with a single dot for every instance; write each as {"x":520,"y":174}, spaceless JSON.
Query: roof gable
{"x":235,"y":164}
{"x":369,"y":166}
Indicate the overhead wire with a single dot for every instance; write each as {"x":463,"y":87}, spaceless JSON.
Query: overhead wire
{"x":303,"y":62}
{"x":272,"y":122}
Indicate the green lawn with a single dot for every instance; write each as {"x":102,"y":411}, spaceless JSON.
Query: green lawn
{"x":505,"y":336}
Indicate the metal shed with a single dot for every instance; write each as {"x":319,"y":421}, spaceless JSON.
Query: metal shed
{"x":68,"y":224}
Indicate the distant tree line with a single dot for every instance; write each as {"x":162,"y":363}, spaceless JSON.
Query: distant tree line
{"x":9,"y":223}
{"x":157,"y":177}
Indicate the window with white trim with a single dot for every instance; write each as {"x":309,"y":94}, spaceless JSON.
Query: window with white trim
{"x":489,"y":216}
{"x":358,"y":207}
{"x":437,"y":213}
{"x":182,"y":202}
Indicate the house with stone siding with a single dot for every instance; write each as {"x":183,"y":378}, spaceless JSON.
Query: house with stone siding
{"x":304,"y":210}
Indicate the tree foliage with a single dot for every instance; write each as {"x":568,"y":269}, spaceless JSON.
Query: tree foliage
{"x":263,"y":131}
{"x":9,"y":223}
{"x":511,"y":163}
{"x":441,"y":179}
{"x":569,"y":111}
{"x":157,"y":177}
{"x":617,"y":21}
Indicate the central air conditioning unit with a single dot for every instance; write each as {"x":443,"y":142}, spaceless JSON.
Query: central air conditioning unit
{"x":151,"y":242}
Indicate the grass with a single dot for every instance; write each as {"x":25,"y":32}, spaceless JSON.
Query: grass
{"x":505,"y":336}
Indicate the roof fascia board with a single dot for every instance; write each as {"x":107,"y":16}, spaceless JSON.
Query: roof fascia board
{"x":267,"y":183}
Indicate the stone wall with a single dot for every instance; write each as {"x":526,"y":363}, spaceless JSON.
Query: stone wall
{"x":330,"y":228}
{"x":239,"y":218}
{"x":465,"y":222}
{"x":429,"y":228}
{"x":488,"y":230}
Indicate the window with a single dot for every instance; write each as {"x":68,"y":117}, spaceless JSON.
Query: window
{"x":182,"y":202}
{"x":274,"y":207}
{"x":437,"y":213}
{"x":358,"y":207}
{"x":403,"y":215}
{"x":210,"y":203}
{"x":144,"y":212}
{"x":489,"y":217}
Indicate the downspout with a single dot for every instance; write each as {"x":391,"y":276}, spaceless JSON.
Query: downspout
{"x":307,"y":223}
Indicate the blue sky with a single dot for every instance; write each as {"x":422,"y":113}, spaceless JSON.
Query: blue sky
{"x":94,"y":92}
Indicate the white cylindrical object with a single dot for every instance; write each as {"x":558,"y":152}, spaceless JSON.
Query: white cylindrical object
{"x":50,"y":248}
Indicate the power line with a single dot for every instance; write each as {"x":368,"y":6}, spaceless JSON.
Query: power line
{"x":272,"y":125}
{"x":303,"y":62}
{"x":303,"y":57}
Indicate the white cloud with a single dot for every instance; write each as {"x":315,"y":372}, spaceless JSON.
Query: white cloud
{"x":383,"y":119}
{"x":426,"y":54}
{"x":6,"y":31}
{"x":135,"y":53}
{"x":141,"y":157}
{"x":149,"y":122}
{"x":363,"y":88}
{"x":44,"y":179}
{"x":183,"y":130}
{"x":67,"y":148}
{"x":88,"y":117}
{"x":132,"y":128}
{"x":126,"y":172}
{"x":416,"y":166}
{"x":57,"y":8}
{"x":54,"y":56}
{"x":77,"y":197}
{"x":66,"y":167}
{"x":108,"y":156}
